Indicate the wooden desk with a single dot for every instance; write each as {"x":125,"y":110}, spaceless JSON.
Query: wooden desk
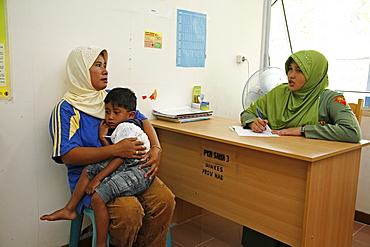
{"x":296,"y":190}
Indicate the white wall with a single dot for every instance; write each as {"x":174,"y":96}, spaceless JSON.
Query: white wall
{"x":41,"y":35}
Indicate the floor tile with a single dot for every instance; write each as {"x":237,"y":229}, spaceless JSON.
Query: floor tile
{"x":174,"y":244}
{"x":189,"y":234}
{"x":363,"y":235}
{"x":216,"y":242}
{"x":215,"y":224}
{"x":359,"y":244}
{"x":233,"y":236}
{"x":357,"y":226}
{"x":210,"y":230}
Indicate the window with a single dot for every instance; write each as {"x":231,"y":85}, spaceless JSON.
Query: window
{"x":339,"y":29}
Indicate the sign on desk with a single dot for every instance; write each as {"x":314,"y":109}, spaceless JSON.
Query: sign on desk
{"x":213,"y":163}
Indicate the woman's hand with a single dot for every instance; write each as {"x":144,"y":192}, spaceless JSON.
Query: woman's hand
{"x":129,"y":148}
{"x":154,"y":156}
{"x":258,"y":125}
{"x":296,"y":131}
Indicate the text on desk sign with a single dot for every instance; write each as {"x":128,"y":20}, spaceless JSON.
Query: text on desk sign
{"x":216,"y":155}
{"x":213,"y":170}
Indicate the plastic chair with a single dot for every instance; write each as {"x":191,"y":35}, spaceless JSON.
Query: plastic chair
{"x":89,"y":212}
{"x":357,"y":109}
{"x":74,"y":236}
{"x":75,"y":230}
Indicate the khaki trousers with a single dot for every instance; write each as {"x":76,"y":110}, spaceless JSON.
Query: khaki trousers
{"x":142,"y":221}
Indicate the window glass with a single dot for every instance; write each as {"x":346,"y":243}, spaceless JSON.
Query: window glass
{"x":340,"y":29}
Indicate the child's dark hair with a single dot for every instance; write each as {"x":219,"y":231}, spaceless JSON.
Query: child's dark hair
{"x":122,"y":97}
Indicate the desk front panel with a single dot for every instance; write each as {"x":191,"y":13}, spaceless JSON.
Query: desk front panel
{"x":263,"y":191}
{"x":297,"y":190}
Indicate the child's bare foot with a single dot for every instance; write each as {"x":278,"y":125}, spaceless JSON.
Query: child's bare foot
{"x":61,"y":214}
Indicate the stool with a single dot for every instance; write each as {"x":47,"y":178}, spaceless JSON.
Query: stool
{"x":75,"y":230}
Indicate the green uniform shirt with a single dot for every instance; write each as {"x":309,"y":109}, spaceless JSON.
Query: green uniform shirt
{"x":336,"y":120}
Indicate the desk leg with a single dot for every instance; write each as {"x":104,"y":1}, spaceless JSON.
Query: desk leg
{"x":331,"y":200}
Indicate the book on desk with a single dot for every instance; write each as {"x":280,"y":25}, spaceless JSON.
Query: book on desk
{"x":183,"y":114}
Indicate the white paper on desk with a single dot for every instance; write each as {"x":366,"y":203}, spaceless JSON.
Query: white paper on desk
{"x":248,"y":132}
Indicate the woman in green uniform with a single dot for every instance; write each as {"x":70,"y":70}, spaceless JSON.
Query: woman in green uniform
{"x":303,"y":106}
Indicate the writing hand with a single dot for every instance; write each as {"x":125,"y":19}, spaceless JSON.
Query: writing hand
{"x":258,"y":125}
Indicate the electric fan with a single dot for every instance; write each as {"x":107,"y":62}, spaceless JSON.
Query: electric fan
{"x":261,"y":82}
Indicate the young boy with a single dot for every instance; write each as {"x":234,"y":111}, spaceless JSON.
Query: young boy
{"x":115,"y":177}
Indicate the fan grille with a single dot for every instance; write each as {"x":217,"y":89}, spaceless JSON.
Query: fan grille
{"x":261,"y":82}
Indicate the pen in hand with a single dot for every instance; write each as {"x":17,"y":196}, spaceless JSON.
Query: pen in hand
{"x":259,"y":113}
{"x":260,"y":116}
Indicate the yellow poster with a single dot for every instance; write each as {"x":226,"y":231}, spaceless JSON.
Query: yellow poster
{"x":4,"y":64}
{"x":152,"y":39}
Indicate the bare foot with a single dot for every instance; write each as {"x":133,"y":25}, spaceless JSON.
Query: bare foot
{"x":61,"y":214}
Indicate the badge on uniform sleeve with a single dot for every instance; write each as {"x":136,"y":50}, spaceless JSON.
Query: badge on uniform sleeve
{"x":341,"y":100}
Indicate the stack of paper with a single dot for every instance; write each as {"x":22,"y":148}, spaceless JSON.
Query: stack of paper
{"x":183,"y":114}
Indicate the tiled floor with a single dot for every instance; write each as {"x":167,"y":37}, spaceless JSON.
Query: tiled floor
{"x":211,"y":230}
{"x":361,"y":235}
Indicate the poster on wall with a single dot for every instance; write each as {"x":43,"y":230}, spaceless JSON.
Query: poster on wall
{"x":4,"y":68}
{"x":152,"y":40}
{"x":191,"y":39}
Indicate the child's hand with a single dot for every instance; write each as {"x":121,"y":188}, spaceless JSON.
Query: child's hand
{"x":90,"y":188}
{"x":103,"y":129}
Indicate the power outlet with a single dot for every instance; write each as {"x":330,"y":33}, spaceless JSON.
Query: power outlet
{"x":240,"y":58}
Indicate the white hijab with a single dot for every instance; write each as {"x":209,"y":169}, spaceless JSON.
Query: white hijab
{"x":80,"y":92}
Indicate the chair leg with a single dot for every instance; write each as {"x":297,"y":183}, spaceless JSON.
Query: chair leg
{"x":75,"y":231}
{"x":169,"y":238}
{"x":90,"y":213}
{"x":76,"y":224}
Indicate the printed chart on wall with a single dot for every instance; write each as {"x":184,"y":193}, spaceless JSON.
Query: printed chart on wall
{"x":191,"y":39}
{"x":4,"y":68}
{"x":152,"y":40}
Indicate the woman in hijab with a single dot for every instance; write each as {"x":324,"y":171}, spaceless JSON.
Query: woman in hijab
{"x":304,"y":106}
{"x":142,"y":220}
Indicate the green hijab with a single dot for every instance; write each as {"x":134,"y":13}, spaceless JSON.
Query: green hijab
{"x":284,"y":108}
